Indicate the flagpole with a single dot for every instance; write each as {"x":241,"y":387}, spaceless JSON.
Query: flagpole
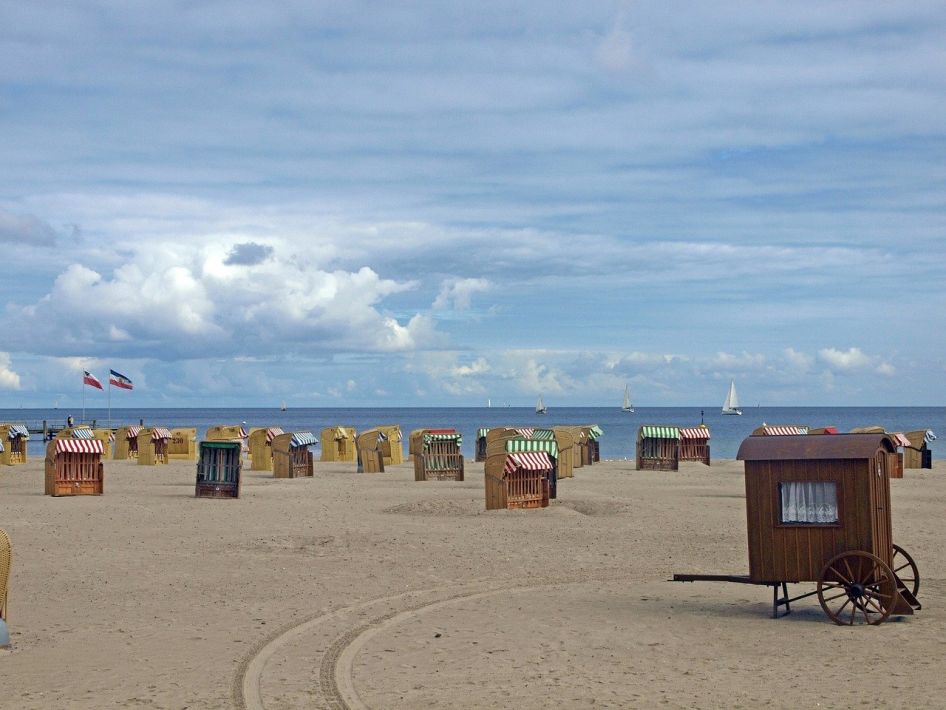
{"x":83,"y":400}
{"x":109,"y":401}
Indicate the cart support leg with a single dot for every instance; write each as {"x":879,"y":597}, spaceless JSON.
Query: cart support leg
{"x":784,"y":601}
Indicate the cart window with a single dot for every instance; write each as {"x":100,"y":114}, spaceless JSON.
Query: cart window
{"x":809,"y":502}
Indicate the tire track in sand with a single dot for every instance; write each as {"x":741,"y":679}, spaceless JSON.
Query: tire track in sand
{"x":336,"y":682}
{"x":246,"y":689}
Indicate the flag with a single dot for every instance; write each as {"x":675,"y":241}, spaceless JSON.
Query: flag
{"x":91,"y":380}
{"x":119,"y":380}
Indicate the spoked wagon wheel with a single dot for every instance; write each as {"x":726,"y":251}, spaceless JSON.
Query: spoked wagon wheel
{"x":857,"y":588}
{"x":905,"y":568}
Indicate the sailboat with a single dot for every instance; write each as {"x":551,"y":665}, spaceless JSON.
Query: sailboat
{"x":540,"y":406}
{"x":282,"y":407}
{"x":628,"y":407}
{"x":731,"y":405}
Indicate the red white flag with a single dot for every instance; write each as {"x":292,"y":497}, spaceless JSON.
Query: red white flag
{"x":91,"y":380}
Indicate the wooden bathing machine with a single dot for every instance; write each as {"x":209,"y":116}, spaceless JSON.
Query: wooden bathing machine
{"x":291,"y":455}
{"x":107,"y":437}
{"x":153,"y":446}
{"x":437,"y":455}
{"x":182,"y":445}
{"x":338,"y":444}
{"x":391,"y":448}
{"x":219,"y":469}
{"x":917,"y":453}
{"x":694,"y":444}
{"x":74,"y":467}
{"x":810,"y":498}
{"x":261,"y":447}
{"x":14,"y":438}
{"x":818,"y":510}
{"x":658,"y":448}
{"x":518,"y":480}
{"x":480,"y":452}
{"x":126,"y":442}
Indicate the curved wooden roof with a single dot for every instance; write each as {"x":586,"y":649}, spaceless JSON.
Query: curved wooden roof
{"x":838,"y":446}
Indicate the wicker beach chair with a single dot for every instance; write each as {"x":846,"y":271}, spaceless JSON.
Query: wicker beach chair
{"x":6,"y":555}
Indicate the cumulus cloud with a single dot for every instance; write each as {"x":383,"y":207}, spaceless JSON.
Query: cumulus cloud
{"x":536,"y":374}
{"x":174,"y":299}
{"x":248,"y":254}
{"x":855,"y":360}
{"x":844,"y":360}
{"x":743,"y":361}
{"x":9,"y":379}
{"x":477,"y":367}
{"x":457,"y":293}
{"x":25,"y":229}
{"x":798,"y":360}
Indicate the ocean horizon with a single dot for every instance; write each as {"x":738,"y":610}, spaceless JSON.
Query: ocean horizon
{"x":618,"y":442}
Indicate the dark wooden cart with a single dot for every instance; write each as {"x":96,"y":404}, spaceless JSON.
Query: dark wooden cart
{"x":818,"y":510}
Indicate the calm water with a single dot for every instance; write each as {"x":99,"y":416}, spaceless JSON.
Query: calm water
{"x":620,"y":429}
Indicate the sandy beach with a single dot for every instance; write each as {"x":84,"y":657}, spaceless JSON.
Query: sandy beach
{"x":358,"y":590}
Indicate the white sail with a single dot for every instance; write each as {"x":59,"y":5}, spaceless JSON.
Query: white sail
{"x":731,"y":405}
{"x":627,"y":407}
{"x":540,"y":406}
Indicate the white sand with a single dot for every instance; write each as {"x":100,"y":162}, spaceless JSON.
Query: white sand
{"x":373,"y":590}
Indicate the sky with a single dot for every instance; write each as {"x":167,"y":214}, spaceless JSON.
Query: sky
{"x":444,"y":203}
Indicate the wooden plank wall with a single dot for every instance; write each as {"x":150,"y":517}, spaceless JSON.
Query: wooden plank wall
{"x":658,"y":455}
{"x":793,"y":553}
{"x":74,"y":473}
{"x":695,"y":450}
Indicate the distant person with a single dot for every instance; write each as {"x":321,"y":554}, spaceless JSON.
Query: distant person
{"x":69,"y":421}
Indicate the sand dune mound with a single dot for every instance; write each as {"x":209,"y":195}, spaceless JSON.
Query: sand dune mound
{"x":596,"y":507}
{"x":440,"y":507}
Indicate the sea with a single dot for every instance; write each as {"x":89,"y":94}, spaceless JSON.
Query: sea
{"x":620,"y":428}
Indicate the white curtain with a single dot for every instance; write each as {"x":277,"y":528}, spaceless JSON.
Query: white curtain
{"x":809,"y":502}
